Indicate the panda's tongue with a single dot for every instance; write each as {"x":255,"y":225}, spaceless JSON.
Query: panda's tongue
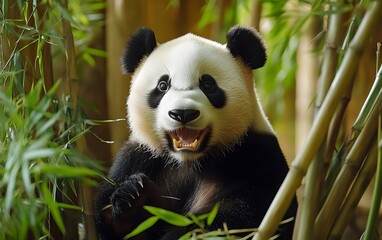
{"x":187,"y":135}
{"x":185,"y":138}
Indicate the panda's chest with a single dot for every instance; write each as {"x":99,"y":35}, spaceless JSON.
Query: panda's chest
{"x":178,"y":182}
{"x":194,"y":191}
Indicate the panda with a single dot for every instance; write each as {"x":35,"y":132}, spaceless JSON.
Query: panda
{"x":198,"y":137}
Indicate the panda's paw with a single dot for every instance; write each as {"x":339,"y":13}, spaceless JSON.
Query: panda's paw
{"x":129,"y":196}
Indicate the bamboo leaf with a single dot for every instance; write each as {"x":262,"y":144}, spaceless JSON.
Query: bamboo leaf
{"x":64,"y":171}
{"x":11,"y":180}
{"x":203,"y":216}
{"x":186,"y":236}
{"x":68,"y":206}
{"x":33,"y":97}
{"x":39,"y":153}
{"x":55,"y":211}
{"x":52,"y":120}
{"x":169,"y":217}
{"x":211,"y":217}
{"x":96,"y":52}
{"x":89,"y":59}
{"x":25,"y":173}
{"x":142,"y":227}
{"x":65,"y":14}
{"x":196,"y":220}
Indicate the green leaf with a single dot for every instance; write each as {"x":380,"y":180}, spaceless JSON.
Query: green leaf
{"x":65,"y":171}
{"x":39,"y":153}
{"x":65,"y":14}
{"x":196,"y":220}
{"x":89,"y":59}
{"x":97,"y":52}
{"x":186,"y":236}
{"x":33,"y":97}
{"x":54,"y":209}
{"x":211,"y":217}
{"x":203,"y":216}
{"x":69,"y":206}
{"x":142,"y":227}
{"x":53,"y":119}
{"x":11,"y":179}
{"x":25,"y":173}
{"x":169,"y":217}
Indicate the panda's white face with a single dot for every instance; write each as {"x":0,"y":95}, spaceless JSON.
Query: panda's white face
{"x":189,"y":97}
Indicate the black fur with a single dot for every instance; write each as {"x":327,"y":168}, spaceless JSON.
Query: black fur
{"x":214,"y":94}
{"x":246,"y":180}
{"x":157,"y":93}
{"x":141,"y":44}
{"x":247,"y":44}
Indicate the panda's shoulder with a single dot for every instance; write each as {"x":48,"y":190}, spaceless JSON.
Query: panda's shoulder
{"x":257,"y":151}
{"x":133,"y":158}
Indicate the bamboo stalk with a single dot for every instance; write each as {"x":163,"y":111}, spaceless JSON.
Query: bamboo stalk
{"x":256,"y":9}
{"x":312,"y":189}
{"x":372,"y":221}
{"x":371,"y":98}
{"x":358,"y":189}
{"x":48,"y":66}
{"x":358,"y":124}
{"x":330,"y":57}
{"x":299,"y":166}
{"x":335,"y":126}
{"x":72,"y":87}
{"x":70,"y":217}
{"x":347,"y":174}
{"x":86,"y":196}
{"x":377,"y":195}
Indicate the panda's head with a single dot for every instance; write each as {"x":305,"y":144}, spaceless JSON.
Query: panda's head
{"x":192,"y":97}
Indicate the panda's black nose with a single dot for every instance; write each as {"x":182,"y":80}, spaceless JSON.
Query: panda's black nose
{"x":184,"y":115}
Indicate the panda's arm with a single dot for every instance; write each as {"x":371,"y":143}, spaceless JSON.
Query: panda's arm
{"x":102,"y":204}
{"x":125,"y":174}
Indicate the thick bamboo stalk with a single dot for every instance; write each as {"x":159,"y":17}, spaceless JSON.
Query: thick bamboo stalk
{"x":359,"y":187}
{"x":256,"y":9}
{"x":313,"y":185}
{"x":352,"y":164}
{"x":335,"y":126}
{"x":70,"y":89}
{"x":300,"y":165}
{"x":73,"y":87}
{"x":330,"y":57}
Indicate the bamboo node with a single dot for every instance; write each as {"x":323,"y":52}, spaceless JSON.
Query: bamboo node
{"x":331,"y":46}
{"x":356,"y":49}
{"x":298,"y":169}
{"x":351,"y":165}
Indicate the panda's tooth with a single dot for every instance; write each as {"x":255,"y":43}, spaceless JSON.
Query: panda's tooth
{"x":176,"y":143}
{"x":194,"y":144}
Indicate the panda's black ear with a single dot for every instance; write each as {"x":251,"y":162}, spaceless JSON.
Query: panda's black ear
{"x":140,"y":44}
{"x":247,"y":44}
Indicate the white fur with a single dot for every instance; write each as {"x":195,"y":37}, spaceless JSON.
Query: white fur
{"x":185,"y":60}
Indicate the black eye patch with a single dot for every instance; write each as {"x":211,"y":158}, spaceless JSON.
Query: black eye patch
{"x":212,"y":91}
{"x":156,"y":95}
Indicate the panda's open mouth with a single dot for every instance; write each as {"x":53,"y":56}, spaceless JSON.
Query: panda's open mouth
{"x":188,"y":138}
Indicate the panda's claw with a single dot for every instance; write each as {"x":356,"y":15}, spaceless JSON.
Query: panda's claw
{"x":132,"y":196}
{"x":141,"y":183}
